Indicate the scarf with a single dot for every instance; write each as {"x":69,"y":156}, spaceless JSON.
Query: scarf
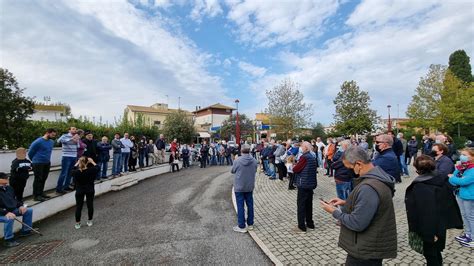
{"x":463,"y":167}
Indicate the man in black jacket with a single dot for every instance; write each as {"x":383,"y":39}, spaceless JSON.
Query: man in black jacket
{"x":161,"y":147}
{"x":91,"y":146}
{"x":10,"y":208}
{"x":204,"y":154}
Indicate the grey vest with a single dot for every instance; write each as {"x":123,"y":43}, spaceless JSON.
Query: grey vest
{"x":379,"y":239}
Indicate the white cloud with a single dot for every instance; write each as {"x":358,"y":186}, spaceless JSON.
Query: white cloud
{"x":203,"y":8}
{"x":253,"y":70}
{"x":268,"y":23}
{"x":386,"y":60}
{"x":101,"y":56}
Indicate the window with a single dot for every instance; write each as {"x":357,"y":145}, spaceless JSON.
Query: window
{"x":157,"y":123}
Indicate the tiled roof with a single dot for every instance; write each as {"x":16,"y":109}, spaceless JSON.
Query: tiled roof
{"x":216,"y":106}
{"x":145,"y":109}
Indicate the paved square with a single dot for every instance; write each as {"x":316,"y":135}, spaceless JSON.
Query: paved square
{"x":275,"y":216}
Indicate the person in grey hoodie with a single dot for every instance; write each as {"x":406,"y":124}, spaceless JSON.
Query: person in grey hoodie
{"x":244,"y":170}
{"x":368,"y":227}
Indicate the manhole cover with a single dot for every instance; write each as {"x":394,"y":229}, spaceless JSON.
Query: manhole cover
{"x":29,"y":252}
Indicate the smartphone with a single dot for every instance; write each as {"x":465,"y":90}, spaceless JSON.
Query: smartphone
{"x":321,"y":199}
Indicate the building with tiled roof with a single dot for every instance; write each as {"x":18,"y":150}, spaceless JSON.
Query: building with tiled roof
{"x":153,"y":115}
{"x":210,"y":118}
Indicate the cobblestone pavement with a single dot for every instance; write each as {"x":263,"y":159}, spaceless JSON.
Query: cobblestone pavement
{"x":275,"y":216}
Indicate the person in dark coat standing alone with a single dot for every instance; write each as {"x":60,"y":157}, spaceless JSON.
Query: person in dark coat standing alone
{"x":428,"y":200}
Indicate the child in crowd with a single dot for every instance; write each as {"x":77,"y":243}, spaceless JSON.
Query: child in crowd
{"x":290,"y":162}
{"x":19,"y":173}
{"x":174,"y":162}
{"x":84,"y":177}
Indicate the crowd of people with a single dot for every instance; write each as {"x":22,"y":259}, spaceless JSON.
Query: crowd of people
{"x":439,"y":198}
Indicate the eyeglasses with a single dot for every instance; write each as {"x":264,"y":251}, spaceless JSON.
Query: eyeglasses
{"x":378,"y":142}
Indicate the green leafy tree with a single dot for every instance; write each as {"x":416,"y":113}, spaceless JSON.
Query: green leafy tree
{"x":287,"y":109}
{"x":229,"y":125}
{"x":15,"y":109}
{"x":460,"y":66}
{"x":178,"y":125}
{"x":424,"y":108}
{"x":457,"y":104}
{"x":318,"y":131}
{"x":353,"y":114}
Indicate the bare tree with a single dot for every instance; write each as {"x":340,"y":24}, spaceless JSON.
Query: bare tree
{"x":286,"y":107}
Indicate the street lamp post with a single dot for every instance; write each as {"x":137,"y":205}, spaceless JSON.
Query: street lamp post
{"x":389,"y":126}
{"x":237,"y":125}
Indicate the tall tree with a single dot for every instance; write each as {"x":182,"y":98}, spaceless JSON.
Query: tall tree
{"x":15,"y":109}
{"x":457,"y":104}
{"x":178,"y":125}
{"x":460,"y":66}
{"x":424,"y":108}
{"x":318,"y":131}
{"x":353,"y":114}
{"x":228,"y":126}
{"x":287,"y":109}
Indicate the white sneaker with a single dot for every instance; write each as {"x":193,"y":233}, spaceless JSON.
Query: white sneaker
{"x":77,"y":226}
{"x":240,"y":230}
{"x":89,"y":223}
{"x":250,"y":227}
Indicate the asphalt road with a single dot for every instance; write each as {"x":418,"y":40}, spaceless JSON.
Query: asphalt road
{"x":176,"y":218}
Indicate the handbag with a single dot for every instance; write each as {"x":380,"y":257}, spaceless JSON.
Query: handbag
{"x":415,"y":242}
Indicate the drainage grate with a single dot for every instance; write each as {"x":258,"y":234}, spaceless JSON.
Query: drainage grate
{"x":31,"y":252}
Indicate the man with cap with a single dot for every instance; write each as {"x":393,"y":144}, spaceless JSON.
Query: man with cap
{"x":10,"y":208}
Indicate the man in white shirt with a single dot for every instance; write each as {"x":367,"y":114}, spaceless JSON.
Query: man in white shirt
{"x":126,"y":151}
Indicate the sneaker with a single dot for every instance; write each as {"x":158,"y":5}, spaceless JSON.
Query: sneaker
{"x":240,"y":230}
{"x":250,"y":227}
{"x":25,"y":233}
{"x":462,"y":238}
{"x":469,"y":244}
{"x":39,"y":198}
{"x":89,"y":223}
{"x":298,"y":230}
{"x":10,"y":243}
{"x":77,"y":226}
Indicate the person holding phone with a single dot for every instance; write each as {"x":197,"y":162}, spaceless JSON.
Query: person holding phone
{"x":84,"y":177}
{"x":368,"y":227}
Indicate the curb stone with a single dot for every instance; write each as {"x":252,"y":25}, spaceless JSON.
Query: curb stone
{"x":257,"y":240}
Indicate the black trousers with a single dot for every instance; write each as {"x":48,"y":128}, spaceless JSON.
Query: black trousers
{"x":41,"y":172}
{"x":329,"y":170}
{"x":204,"y":159}
{"x":291,"y":182}
{"x":305,"y":208}
{"x":80,"y":202}
{"x":18,"y":185}
{"x":173,"y":165}
{"x":352,"y":261}
{"x":432,"y":254}
{"x":281,"y":170}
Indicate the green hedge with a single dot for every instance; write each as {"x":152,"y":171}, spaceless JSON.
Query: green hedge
{"x":35,"y":129}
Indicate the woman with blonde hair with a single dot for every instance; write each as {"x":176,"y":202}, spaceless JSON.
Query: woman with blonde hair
{"x":84,"y":176}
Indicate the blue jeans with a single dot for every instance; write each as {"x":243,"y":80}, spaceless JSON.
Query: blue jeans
{"x":269,"y":169}
{"x":246,"y":197}
{"x":67,"y":163}
{"x":221,"y":160}
{"x":141,"y":158}
{"x":103,"y":168}
{"x":403,"y":164}
{"x":343,"y":190}
{"x":117,"y":164}
{"x":125,"y":157}
{"x":8,"y":224}
{"x":467,"y":212}
{"x":320,"y":159}
{"x":213,"y":160}
{"x":229,"y":160}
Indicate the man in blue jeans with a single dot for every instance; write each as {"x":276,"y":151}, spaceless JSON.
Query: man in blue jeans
{"x":70,"y":144}
{"x":10,"y":208}
{"x":244,"y":168}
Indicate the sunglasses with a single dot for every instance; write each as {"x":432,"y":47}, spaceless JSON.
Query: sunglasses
{"x":378,"y":142}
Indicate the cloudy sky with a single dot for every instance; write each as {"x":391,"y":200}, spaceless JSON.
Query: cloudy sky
{"x":99,"y":56}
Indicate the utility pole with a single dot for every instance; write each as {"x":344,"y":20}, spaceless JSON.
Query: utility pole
{"x":179,"y":103}
{"x":237,"y":125}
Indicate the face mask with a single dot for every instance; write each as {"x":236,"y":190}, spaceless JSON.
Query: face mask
{"x":377,"y":148}
{"x":434,"y":153}
{"x":463,"y":158}
{"x":438,"y":141}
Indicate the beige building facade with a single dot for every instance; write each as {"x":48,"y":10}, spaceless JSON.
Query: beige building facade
{"x":154,"y":115}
